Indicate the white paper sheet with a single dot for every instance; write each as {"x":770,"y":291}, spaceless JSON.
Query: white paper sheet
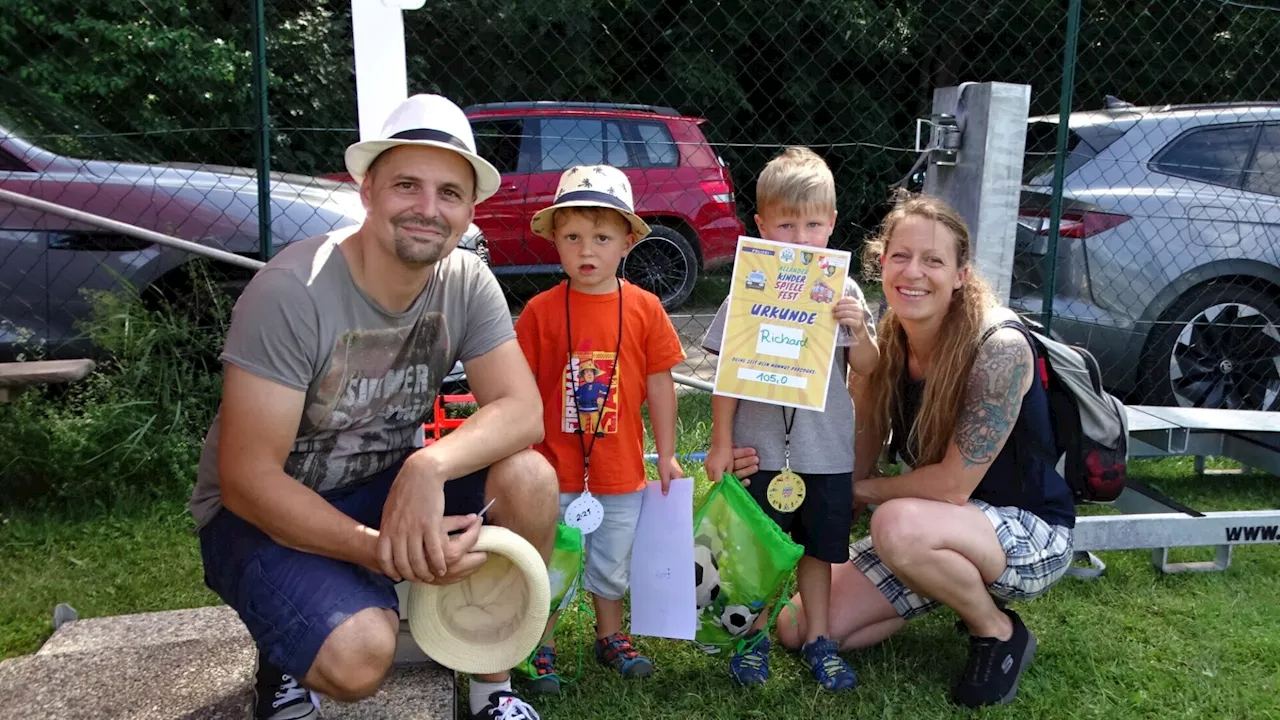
{"x":662,"y":593}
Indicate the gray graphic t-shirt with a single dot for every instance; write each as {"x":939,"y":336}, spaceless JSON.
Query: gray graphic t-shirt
{"x":821,"y":442}
{"x":370,"y":376}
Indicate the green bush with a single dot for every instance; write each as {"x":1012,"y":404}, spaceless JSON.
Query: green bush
{"x":131,"y":430}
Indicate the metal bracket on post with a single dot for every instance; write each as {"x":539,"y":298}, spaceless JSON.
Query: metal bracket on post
{"x":944,"y":138}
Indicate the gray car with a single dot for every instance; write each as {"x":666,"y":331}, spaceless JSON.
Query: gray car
{"x":1168,"y":266}
{"x":45,"y":260}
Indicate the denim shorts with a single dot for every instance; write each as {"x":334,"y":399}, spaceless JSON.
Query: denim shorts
{"x":1037,"y":555}
{"x":607,"y":551}
{"x":291,"y":600}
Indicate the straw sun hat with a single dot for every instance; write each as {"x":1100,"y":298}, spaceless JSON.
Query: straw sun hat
{"x":492,"y":620}
{"x":431,"y":121}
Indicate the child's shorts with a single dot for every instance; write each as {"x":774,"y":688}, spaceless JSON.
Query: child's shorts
{"x":608,"y":549}
{"x":822,"y":522}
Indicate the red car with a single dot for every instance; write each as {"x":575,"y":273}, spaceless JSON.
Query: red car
{"x":681,"y":186}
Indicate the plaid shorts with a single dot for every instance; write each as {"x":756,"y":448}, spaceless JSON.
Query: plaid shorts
{"x":1037,"y":553}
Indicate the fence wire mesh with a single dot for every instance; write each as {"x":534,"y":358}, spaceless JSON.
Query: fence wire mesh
{"x":1166,"y":266}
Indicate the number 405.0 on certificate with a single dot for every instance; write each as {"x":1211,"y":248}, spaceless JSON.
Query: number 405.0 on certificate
{"x":780,"y":332}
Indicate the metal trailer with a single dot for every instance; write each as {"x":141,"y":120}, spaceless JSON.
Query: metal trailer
{"x":1148,"y":520}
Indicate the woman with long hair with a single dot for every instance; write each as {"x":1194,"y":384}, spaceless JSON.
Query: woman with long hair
{"x":971,"y":519}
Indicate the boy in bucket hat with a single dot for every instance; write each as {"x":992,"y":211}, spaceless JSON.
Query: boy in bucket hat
{"x":599,"y":346}
{"x":313,"y":498}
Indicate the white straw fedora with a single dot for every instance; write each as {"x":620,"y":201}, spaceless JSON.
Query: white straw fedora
{"x":591,"y":186}
{"x":429,"y":120}
{"x":491,"y":620}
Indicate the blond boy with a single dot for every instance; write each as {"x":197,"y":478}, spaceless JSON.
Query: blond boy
{"x":796,"y":203}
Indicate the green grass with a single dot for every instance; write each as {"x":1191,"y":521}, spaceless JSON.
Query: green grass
{"x":1132,"y":644}
{"x":136,"y":559}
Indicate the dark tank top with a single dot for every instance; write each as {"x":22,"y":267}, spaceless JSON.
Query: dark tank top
{"x":1018,"y":477}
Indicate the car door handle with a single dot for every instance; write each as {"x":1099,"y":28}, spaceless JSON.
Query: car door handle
{"x":95,"y":241}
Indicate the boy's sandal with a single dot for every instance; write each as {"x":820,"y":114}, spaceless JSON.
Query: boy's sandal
{"x":827,"y":666}
{"x":750,"y":666}
{"x":547,"y":681}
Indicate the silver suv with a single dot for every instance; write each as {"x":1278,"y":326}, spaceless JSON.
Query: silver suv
{"x":1168,"y":263}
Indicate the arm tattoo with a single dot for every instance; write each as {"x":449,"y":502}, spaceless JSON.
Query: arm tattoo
{"x":992,"y":399}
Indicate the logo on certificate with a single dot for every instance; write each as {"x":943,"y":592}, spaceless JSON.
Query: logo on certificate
{"x":787,"y":255}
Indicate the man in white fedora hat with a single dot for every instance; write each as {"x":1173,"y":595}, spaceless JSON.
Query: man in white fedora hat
{"x":313,"y":498}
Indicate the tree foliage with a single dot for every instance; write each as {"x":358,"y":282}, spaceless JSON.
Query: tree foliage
{"x":848,"y":77}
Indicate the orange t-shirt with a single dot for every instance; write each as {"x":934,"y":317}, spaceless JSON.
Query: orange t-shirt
{"x":649,"y":345}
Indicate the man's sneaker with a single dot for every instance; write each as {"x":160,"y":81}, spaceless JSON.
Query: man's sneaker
{"x":991,"y":677}
{"x":278,"y":696}
{"x":616,"y":652}
{"x":823,"y":660}
{"x":544,"y":680}
{"x":506,"y":705}
{"x":750,"y":664}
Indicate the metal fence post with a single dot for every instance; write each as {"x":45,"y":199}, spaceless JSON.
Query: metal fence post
{"x":1060,"y":160}
{"x":983,"y":181}
{"x":262,"y":139}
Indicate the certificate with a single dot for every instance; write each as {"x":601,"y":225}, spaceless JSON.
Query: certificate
{"x":780,"y":331}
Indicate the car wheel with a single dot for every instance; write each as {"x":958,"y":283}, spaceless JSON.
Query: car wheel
{"x":663,"y":263}
{"x":1219,"y":347}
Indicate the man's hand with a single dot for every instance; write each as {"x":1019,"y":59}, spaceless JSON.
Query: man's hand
{"x":668,"y":470}
{"x":459,"y":556}
{"x":412,"y":540}
{"x":848,"y":312}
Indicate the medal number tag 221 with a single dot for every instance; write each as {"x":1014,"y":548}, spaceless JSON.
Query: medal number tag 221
{"x":584,"y":513}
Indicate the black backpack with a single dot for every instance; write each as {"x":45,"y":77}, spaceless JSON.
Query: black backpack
{"x":1090,"y":426}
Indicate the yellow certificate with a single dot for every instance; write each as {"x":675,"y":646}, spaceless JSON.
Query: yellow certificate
{"x":780,"y":332}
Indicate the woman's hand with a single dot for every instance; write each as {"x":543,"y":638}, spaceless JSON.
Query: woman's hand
{"x":745,"y":464}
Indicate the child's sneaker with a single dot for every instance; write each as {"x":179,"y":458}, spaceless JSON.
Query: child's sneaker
{"x":506,"y":705}
{"x":750,"y":665}
{"x":822,"y":658}
{"x":545,"y":680}
{"x":991,"y":677}
{"x":616,"y":652}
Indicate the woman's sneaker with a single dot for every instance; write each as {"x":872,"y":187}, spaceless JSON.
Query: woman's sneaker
{"x":544,"y":680}
{"x":278,"y":696}
{"x":823,"y":660}
{"x":750,"y":664}
{"x":995,"y":666}
{"x":617,"y":652}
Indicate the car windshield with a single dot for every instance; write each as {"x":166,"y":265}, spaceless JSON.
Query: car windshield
{"x":45,"y":122}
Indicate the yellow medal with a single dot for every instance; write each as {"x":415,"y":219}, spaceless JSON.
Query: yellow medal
{"x":786,"y":491}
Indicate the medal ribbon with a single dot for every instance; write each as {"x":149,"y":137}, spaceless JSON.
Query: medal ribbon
{"x":613,"y":377}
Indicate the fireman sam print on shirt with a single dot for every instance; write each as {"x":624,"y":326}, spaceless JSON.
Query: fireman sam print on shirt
{"x":587,"y":379}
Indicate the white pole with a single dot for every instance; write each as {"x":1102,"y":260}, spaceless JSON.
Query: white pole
{"x":377,"y":33}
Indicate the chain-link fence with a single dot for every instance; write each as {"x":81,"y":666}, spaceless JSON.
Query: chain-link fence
{"x":1166,"y":262}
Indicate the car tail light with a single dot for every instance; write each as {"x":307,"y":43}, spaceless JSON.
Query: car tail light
{"x":1075,"y":223}
{"x":719,"y":191}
